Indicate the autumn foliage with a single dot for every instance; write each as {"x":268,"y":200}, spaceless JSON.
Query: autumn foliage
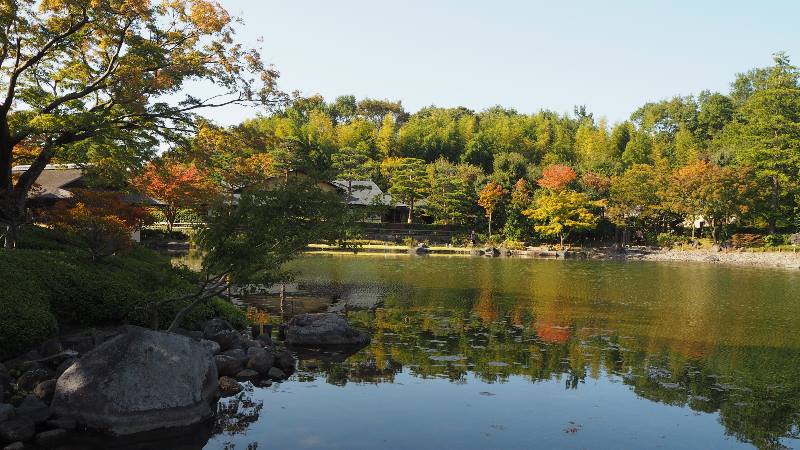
{"x":557,"y":177}
{"x":488,"y":199}
{"x":102,"y":221}
{"x":178,"y":186}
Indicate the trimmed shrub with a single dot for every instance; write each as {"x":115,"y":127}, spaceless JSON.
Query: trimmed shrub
{"x":25,"y":316}
{"x":671,"y":240}
{"x":46,"y":288}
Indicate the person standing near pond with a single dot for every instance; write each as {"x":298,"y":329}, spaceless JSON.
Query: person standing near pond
{"x":472,"y":238}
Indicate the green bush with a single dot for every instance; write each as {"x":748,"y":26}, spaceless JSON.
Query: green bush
{"x":47,"y":283}
{"x":776,"y":240}
{"x":25,"y":316}
{"x":513,"y":245}
{"x":671,"y":239}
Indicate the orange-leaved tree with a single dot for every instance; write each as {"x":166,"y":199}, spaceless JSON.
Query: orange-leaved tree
{"x":717,"y":194}
{"x":178,"y":185}
{"x":102,"y":221}
{"x":488,"y":199}
{"x":557,"y":177}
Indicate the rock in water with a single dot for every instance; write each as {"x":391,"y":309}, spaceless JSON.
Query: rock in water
{"x":229,"y":387}
{"x":139,"y":381}
{"x":323,"y":329}
{"x":261,"y":362}
{"x":276,"y":374}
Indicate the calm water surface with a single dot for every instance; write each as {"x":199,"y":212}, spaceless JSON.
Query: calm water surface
{"x":471,"y":353}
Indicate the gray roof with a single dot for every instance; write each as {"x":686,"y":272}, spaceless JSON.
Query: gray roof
{"x":52,"y":184}
{"x":364,"y":192}
{"x":57,"y":180}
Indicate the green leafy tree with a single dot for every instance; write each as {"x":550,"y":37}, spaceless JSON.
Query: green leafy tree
{"x":407,"y":181}
{"x":508,"y":168}
{"x":81,"y":76}
{"x":375,"y":110}
{"x":517,"y":226}
{"x":448,"y":198}
{"x":358,"y":133}
{"x":769,"y":135}
{"x":386,"y":140}
{"x":558,"y":213}
{"x":353,"y":164}
{"x":634,"y":200}
{"x":250,"y":241}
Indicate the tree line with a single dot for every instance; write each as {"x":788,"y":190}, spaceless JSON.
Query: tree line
{"x":730,"y":160}
{"x":103,"y":83}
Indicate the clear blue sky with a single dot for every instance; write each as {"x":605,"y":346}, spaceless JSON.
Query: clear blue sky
{"x":611,"y":56}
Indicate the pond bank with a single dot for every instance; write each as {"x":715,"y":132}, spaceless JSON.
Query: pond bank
{"x":788,"y":260}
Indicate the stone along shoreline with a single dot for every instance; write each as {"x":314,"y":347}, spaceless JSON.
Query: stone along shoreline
{"x":788,"y":260}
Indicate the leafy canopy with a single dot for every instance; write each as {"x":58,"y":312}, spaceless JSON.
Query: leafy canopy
{"x":82,"y":78}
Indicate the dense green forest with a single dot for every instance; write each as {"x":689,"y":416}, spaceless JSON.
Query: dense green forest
{"x":730,"y":159}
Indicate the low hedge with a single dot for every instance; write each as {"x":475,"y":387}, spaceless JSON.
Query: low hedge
{"x":25,"y":315}
{"x":53,"y":283}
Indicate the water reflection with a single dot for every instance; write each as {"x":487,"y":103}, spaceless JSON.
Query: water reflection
{"x":707,"y":338}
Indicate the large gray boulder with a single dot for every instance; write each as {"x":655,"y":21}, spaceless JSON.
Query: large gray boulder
{"x":139,"y":381}
{"x":323,"y":329}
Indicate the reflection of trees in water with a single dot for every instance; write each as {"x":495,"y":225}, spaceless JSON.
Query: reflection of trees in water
{"x":236,"y":414}
{"x":755,"y":390}
{"x":682,"y":335}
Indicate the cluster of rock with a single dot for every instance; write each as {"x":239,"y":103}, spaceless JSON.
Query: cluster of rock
{"x":132,"y":380}
{"x":239,"y":358}
{"x":29,"y":383}
{"x":323,"y":330}
{"x":129,"y":380}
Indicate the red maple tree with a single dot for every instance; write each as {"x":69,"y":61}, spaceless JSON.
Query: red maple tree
{"x":178,"y":186}
{"x":557,"y":177}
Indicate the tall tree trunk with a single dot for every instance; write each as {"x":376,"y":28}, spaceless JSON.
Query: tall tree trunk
{"x":490,"y":225}
{"x":561,"y":237}
{"x":6,"y":184}
{"x":774,"y":204}
{"x":10,"y":240}
{"x":14,"y":196}
{"x":713,"y":225}
{"x":410,"y":210}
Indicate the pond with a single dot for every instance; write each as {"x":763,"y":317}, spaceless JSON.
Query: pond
{"x":472,"y":353}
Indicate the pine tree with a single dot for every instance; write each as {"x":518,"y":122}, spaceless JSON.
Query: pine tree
{"x":407,"y":181}
{"x":351,"y":164}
